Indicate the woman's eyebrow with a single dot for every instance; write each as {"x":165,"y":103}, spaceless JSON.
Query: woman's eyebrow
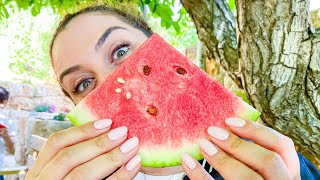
{"x":105,"y":35}
{"x":69,"y":71}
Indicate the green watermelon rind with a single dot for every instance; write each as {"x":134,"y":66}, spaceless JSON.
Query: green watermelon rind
{"x":155,"y":157}
{"x":79,"y":115}
{"x":247,"y":112}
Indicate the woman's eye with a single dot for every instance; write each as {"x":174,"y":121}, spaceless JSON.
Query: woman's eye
{"x":83,"y":85}
{"x":120,"y":52}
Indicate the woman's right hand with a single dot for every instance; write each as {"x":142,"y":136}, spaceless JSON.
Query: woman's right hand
{"x":89,"y":151}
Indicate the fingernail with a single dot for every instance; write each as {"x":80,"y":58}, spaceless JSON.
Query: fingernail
{"x":218,"y":133}
{"x":235,"y":122}
{"x":102,"y":124}
{"x":118,"y":133}
{"x":133,"y":163}
{"x":129,"y":145}
{"x":188,"y":160}
{"x":208,"y":147}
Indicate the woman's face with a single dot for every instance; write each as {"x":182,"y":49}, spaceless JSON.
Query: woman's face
{"x":90,"y":48}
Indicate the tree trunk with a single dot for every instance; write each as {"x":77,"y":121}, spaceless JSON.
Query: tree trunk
{"x":274,"y":56}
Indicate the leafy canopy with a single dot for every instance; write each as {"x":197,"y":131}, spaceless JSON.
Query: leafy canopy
{"x":29,"y":50}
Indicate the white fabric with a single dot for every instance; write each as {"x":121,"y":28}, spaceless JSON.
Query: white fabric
{"x":2,"y":153}
{"x":142,"y":176}
{"x":12,"y":132}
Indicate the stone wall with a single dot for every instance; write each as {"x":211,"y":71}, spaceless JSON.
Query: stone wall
{"x":26,"y":97}
{"x":25,"y":123}
{"x":20,"y":110}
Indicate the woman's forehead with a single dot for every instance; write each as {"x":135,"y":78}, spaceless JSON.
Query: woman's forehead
{"x":80,"y":35}
{"x":88,"y":27}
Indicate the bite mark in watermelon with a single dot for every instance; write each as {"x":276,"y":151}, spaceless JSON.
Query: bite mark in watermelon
{"x":164,"y":100}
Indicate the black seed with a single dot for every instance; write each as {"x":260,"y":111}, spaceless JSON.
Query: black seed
{"x":146,"y":70}
{"x":152,"y":110}
{"x":180,"y":70}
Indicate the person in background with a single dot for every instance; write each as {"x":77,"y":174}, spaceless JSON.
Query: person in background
{"x":6,"y":143}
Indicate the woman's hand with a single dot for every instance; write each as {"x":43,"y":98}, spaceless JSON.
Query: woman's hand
{"x":90,"y":151}
{"x":4,"y":132}
{"x":271,"y":155}
{"x":7,"y":140}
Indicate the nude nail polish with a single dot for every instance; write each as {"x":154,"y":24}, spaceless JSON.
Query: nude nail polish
{"x":218,"y":133}
{"x":235,"y":122}
{"x":208,"y":147}
{"x":129,"y":145}
{"x":133,"y":163}
{"x":118,"y":133}
{"x":188,"y":160}
{"x":102,"y":124}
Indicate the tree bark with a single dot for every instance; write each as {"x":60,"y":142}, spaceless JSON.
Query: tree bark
{"x":274,"y":56}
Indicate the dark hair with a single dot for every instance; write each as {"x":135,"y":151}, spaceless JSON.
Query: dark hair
{"x":132,"y":20}
{"x":4,"y":94}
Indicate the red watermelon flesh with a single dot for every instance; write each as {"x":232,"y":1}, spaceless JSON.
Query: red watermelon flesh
{"x":165,"y":100}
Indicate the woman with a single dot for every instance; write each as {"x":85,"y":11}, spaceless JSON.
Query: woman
{"x":91,"y":44}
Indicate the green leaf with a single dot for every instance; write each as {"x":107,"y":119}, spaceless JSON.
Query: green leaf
{"x":5,"y":11}
{"x":142,"y":4}
{"x":34,"y":11}
{"x":156,"y":3}
{"x":6,"y":2}
{"x":232,"y":5}
{"x":176,"y":27}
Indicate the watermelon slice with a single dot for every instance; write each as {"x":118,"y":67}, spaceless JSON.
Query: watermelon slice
{"x":165,"y":100}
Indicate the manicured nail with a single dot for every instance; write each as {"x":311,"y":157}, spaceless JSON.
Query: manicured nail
{"x":133,"y":163}
{"x":235,"y":122}
{"x":118,"y":133}
{"x":129,"y":145}
{"x":208,"y":147}
{"x":102,"y":124}
{"x":218,"y":133}
{"x":188,"y":160}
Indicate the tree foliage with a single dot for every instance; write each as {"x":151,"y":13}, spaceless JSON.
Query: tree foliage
{"x":29,"y":50}
{"x":30,"y":37}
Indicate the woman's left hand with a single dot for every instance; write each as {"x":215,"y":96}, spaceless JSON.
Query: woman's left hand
{"x":271,"y":155}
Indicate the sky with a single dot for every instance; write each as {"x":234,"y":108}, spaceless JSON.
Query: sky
{"x":314,"y":4}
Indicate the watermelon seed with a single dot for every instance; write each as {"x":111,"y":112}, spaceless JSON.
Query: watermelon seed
{"x":146,"y":70}
{"x":128,"y":95}
{"x":152,"y":110}
{"x":118,"y":90}
{"x":120,"y":80}
{"x":180,"y":70}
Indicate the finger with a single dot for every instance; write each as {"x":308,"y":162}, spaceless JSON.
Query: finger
{"x":228,"y":167}
{"x":267,"y":163}
{"x":129,"y":171}
{"x":68,"y":137}
{"x":72,"y":156}
{"x":193,"y":168}
{"x":107,"y":163}
{"x":268,"y":138}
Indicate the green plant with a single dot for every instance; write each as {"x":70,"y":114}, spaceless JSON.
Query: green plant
{"x":44,"y":108}
{"x":60,"y":117}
